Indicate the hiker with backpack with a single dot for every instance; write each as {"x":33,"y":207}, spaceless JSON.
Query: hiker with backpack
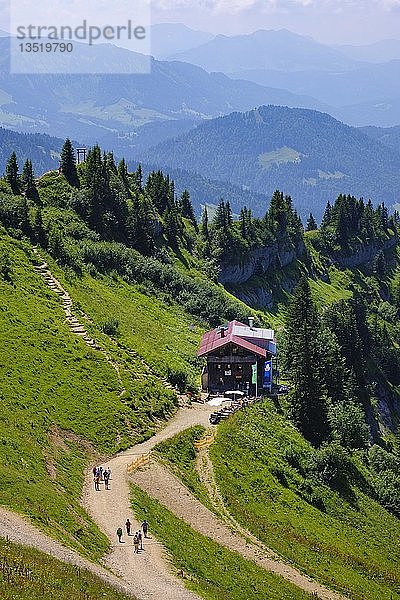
{"x":136,"y":543}
{"x":140,"y":539}
{"x":119,"y":534}
{"x":106,"y":479}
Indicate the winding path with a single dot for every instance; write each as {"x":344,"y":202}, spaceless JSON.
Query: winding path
{"x":149,"y":573}
{"x":19,"y":530}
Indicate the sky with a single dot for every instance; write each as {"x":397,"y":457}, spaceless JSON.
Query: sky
{"x":330,"y":21}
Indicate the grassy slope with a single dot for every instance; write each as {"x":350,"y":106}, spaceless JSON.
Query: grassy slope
{"x":26,"y":574}
{"x":159,"y":331}
{"x":353,"y":544}
{"x":211,"y":570}
{"x":60,"y":403}
{"x":179,"y":455}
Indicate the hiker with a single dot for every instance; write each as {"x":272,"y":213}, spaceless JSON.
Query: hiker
{"x":140,"y":539}
{"x":119,"y":534}
{"x":109,"y":473}
{"x":97,"y":483}
{"x":145,"y":527}
{"x":136,"y":543}
{"x":128,"y":525}
{"x":101,"y":473}
{"x":94,"y":471}
{"x":106,"y":479}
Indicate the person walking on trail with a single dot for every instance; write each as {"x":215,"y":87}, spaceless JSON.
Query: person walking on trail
{"x":106,"y":479}
{"x":97,"y":483}
{"x":140,"y":539}
{"x":145,"y":527}
{"x":109,"y":472}
{"x":94,"y":471}
{"x":119,"y":534}
{"x":128,"y":526}
{"x":136,"y":543}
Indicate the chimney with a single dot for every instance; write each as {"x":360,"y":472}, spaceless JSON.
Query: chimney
{"x":251,"y":322}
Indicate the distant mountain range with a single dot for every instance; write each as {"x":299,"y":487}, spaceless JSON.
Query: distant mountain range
{"x":42,"y":150}
{"x":276,"y":50}
{"x":114,"y":108}
{"x":169,"y":38}
{"x":382,"y":51}
{"x":305,"y":153}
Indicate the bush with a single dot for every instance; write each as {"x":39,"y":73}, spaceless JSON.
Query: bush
{"x":331,"y":465}
{"x":347,"y":421}
{"x":111,"y":327}
{"x":5,"y":265}
{"x":387,"y":488}
{"x":178,"y":378}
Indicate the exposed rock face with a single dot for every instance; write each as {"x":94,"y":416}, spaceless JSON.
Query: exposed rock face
{"x":277,"y":257}
{"x":259,"y":262}
{"x":365,"y":254}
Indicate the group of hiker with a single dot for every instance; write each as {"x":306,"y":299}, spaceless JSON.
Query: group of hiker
{"x":137,"y":538}
{"x":101,"y":475}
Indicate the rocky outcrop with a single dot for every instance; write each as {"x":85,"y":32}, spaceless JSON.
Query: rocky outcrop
{"x":259,"y":262}
{"x":364,"y":255}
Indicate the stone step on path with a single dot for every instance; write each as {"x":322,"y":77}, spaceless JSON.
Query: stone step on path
{"x":72,"y":320}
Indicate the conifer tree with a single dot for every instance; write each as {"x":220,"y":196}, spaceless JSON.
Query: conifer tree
{"x":204,"y":225}
{"x":186,"y":207}
{"x":12,"y":174}
{"x":326,"y":219}
{"x":311,"y":223}
{"x":308,"y":402}
{"x":123,"y":173}
{"x":68,"y":164}
{"x":28,"y":180}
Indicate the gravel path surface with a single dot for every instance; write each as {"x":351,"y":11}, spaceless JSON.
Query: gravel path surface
{"x":159,"y":483}
{"x":149,"y":573}
{"x":19,"y":530}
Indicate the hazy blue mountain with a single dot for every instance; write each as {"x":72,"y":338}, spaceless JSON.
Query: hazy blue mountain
{"x":381,"y":113}
{"x":170,"y":38}
{"x":42,"y":150}
{"x":279,"y":50}
{"x":368,"y":83}
{"x":389,"y":136}
{"x":92,"y":108}
{"x":382,"y":51}
{"x":305,"y":153}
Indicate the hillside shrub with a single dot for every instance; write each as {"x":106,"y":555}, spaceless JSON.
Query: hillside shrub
{"x":111,"y":327}
{"x":348,"y":426}
{"x":331,"y":465}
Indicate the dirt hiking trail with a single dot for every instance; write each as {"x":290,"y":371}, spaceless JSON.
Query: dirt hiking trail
{"x":149,"y":573}
{"x":19,"y":530}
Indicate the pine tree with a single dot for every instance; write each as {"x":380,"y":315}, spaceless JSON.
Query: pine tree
{"x":123,"y":174}
{"x":204,"y":225}
{"x":327,"y":218}
{"x":311,"y":223}
{"x":308,"y":402}
{"x":12,"y":174}
{"x":28,"y":180}
{"x":186,"y":207}
{"x":68,"y":164}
